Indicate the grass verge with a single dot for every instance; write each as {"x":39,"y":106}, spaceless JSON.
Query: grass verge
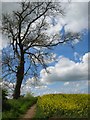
{"x":15,"y":108}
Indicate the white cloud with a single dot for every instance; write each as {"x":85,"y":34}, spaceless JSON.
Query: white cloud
{"x":75,"y":41}
{"x":66,"y":70}
{"x":66,"y":83}
{"x":75,"y":87}
{"x":66,"y":87}
{"x":77,"y":16}
{"x":30,"y":83}
{"x":6,"y":84}
{"x":75,"y":19}
{"x":77,"y":56}
{"x":40,"y":87}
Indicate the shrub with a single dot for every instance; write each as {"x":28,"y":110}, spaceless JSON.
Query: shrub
{"x":5,"y":104}
{"x":29,"y":95}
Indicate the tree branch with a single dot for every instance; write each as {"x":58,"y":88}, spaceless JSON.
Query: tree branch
{"x":34,"y":21}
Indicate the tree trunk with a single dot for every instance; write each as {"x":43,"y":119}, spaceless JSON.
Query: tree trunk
{"x":20,"y":76}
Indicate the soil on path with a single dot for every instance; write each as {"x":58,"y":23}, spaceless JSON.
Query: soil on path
{"x":30,"y":113}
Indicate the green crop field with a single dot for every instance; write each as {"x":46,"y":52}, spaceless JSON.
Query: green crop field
{"x":62,"y":105}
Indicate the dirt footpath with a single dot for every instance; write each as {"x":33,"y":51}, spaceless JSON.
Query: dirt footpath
{"x":30,"y":113}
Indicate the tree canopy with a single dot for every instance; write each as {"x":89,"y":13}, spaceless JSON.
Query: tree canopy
{"x":29,"y":42}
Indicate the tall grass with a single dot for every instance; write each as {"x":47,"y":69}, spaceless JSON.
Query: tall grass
{"x":15,"y":108}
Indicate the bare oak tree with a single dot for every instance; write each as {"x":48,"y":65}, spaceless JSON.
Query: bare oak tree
{"x":29,"y":42}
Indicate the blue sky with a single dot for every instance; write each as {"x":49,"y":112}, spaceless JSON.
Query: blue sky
{"x":69,"y":74}
{"x":79,"y":86}
{"x":60,"y":86}
{"x":66,"y":50}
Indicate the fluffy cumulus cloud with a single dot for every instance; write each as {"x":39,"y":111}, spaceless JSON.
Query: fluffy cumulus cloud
{"x":67,"y":76}
{"x":76,"y":18}
{"x":66,"y":70}
{"x":31,"y":85}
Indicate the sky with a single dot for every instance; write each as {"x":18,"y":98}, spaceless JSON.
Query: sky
{"x":69,"y":74}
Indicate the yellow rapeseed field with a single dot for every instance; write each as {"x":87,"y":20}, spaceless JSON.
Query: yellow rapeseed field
{"x":63,"y":105}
